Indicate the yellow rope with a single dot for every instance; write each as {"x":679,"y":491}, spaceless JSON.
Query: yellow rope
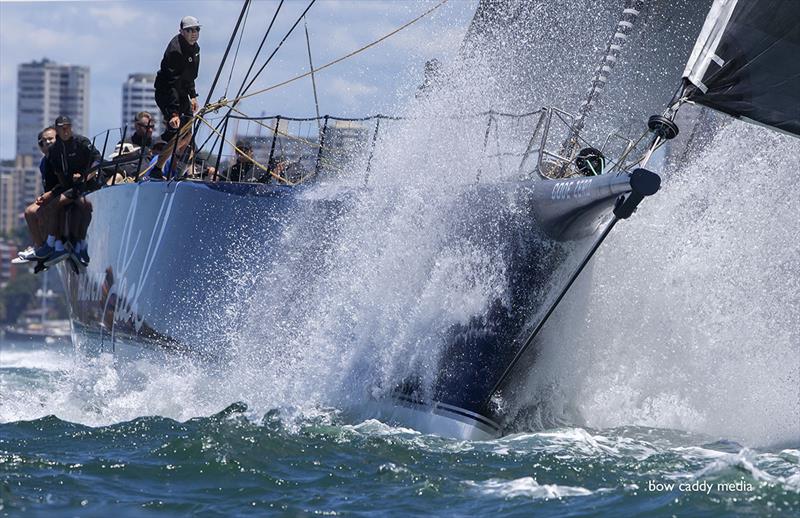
{"x":256,"y":163}
{"x":330,"y":165}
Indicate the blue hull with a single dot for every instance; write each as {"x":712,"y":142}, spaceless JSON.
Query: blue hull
{"x":159,"y":252}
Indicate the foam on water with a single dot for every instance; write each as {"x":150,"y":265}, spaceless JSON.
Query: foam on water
{"x":45,"y":360}
{"x":526,"y":487}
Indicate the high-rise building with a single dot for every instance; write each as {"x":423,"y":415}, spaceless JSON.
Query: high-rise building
{"x":46,"y":90}
{"x":20,"y":184}
{"x":138,"y":95}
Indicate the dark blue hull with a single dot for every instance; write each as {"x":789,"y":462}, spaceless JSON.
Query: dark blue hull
{"x":161,"y":254}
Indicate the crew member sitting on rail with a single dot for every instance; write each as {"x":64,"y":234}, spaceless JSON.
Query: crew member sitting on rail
{"x":242,"y":169}
{"x":175,"y":90}
{"x":70,"y":159}
{"x":36,"y":213}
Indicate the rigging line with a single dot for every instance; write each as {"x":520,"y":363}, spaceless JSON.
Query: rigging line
{"x":388,"y":117}
{"x":247,"y":74}
{"x":620,"y":162}
{"x":245,"y":7}
{"x":532,"y":336}
{"x":261,"y":46}
{"x":655,"y":146}
{"x":236,"y":54}
{"x":338,"y":60}
{"x":242,"y":87}
{"x":225,"y":56}
{"x":241,"y":94}
{"x":230,"y":75}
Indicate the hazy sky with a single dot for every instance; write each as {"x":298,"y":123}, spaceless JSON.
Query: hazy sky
{"x":116,"y":38}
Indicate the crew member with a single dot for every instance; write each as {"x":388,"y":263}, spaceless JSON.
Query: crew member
{"x":143,"y":130}
{"x":590,"y":162}
{"x":175,"y":91}
{"x":167,"y":169}
{"x":36,"y":212}
{"x":70,"y":159}
{"x":242,"y":169}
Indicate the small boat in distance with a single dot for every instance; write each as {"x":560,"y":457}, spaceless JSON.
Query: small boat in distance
{"x":36,"y":326}
{"x":48,"y":331}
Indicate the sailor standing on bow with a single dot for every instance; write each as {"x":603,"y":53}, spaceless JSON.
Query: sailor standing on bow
{"x":175,"y":91}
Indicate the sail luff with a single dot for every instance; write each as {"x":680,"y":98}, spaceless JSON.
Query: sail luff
{"x":704,"y":51}
{"x":745,"y":62}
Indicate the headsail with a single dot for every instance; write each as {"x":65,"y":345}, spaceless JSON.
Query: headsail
{"x":746,"y":62}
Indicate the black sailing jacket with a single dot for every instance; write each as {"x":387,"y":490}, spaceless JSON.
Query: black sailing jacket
{"x":175,"y":80}
{"x":65,"y":158}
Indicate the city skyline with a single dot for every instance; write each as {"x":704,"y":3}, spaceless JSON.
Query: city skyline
{"x":46,"y":90}
{"x":116,"y":39}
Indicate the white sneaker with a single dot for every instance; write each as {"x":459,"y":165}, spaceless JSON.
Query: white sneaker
{"x":27,"y":254}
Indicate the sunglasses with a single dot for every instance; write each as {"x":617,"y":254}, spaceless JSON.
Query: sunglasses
{"x":192,"y":29}
{"x":146,"y":126}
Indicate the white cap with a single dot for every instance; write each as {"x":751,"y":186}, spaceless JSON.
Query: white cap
{"x":189,"y":21}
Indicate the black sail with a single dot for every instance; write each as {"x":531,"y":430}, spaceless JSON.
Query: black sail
{"x":746,"y":62}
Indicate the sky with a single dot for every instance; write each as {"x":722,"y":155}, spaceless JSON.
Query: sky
{"x":116,"y":38}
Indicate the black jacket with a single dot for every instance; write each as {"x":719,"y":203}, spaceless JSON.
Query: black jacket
{"x":49,"y":178}
{"x":175,"y":80}
{"x":65,"y":158}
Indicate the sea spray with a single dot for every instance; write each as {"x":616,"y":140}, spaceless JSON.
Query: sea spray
{"x":695,"y":302}
{"x":392,"y":279}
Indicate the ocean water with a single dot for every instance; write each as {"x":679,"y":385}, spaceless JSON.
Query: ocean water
{"x":80,"y":438}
